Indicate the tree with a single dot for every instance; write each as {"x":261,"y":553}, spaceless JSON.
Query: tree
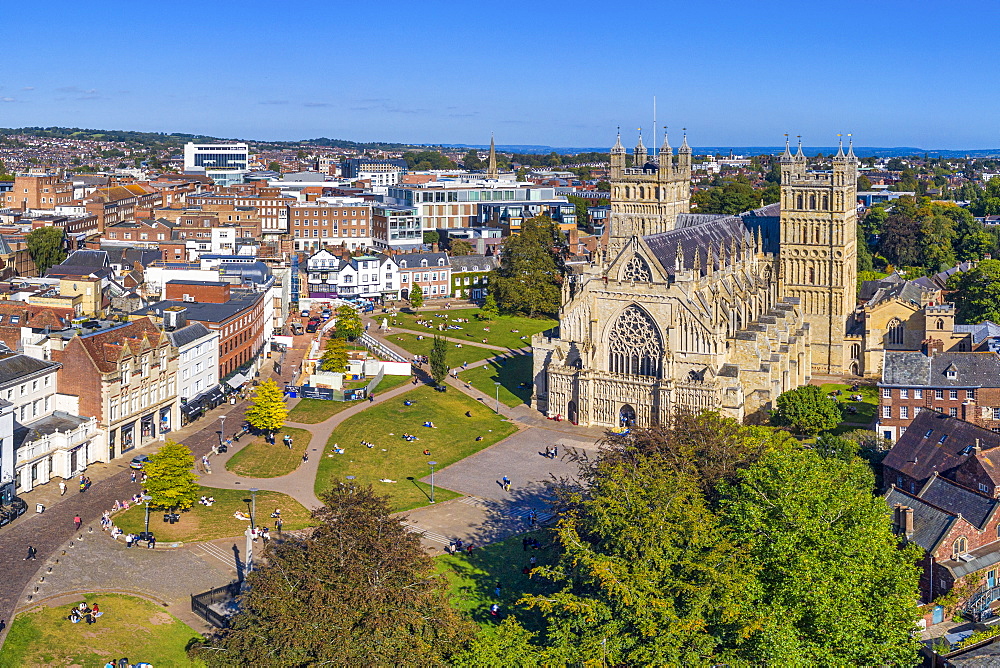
{"x":348,"y":322}
{"x":874,"y":220}
{"x":977,"y":292}
{"x":431,"y":236}
{"x":529,"y":278}
{"x":471,"y":160}
{"x":360,"y":590}
{"x":416,"y":296}
{"x":900,"y":240}
{"x":734,"y":197}
{"x":274,"y":166}
{"x":335,"y":356}
{"x":822,"y":541}
{"x":864,"y":183}
{"x":461,"y":247}
{"x":267,"y":411}
{"x":439,"y":359}
{"x":489,"y":311}
{"x":46,"y":247}
{"x":806,"y":410}
{"x":170,"y":478}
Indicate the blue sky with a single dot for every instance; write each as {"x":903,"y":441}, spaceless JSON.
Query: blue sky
{"x":557,"y":73}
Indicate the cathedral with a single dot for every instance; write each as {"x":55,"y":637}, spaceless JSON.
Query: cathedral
{"x":691,"y":312}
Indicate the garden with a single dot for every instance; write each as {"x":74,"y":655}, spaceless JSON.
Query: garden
{"x":393,"y":465}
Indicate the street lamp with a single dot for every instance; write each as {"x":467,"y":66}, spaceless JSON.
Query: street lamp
{"x":497,"y":383}
{"x":222,"y":429}
{"x":147,"y":498}
{"x":251,"y":529}
{"x":432,"y":465}
{"x":253,"y":507}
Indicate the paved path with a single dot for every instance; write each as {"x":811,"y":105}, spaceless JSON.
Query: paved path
{"x":434,"y":332}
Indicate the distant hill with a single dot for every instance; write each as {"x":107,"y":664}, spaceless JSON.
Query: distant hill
{"x":877,"y":151}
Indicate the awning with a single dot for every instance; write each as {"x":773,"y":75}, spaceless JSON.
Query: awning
{"x":192,"y":408}
{"x":214,"y":395}
{"x":237,"y":381}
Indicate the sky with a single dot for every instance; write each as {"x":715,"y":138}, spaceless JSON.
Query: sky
{"x":553,"y":73}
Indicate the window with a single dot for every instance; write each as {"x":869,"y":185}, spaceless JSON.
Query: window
{"x":894,"y":332}
{"x":942,"y":439}
{"x":904,"y":412}
{"x":886,"y":392}
{"x":918,"y":394}
{"x":961,"y":546}
{"x":904,"y":394}
{"x":953,"y":412}
{"x":953,"y":394}
{"x":887,"y":411}
{"x":996,"y":413}
{"x":939,"y":394}
{"x":970,"y":395}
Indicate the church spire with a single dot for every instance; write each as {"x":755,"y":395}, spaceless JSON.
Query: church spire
{"x":799,"y":155}
{"x":666,"y":150}
{"x":639,"y":157}
{"x":491,"y":172}
{"x":618,"y":157}
{"x":679,"y":258}
{"x":684,"y":145}
{"x":618,"y":147}
{"x":787,"y":155}
{"x":840,"y":148}
{"x":850,"y":149}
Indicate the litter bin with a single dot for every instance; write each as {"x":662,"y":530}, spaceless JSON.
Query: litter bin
{"x":39,"y":508}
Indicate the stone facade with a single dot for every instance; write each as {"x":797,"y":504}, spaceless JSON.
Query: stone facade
{"x":691,"y":312}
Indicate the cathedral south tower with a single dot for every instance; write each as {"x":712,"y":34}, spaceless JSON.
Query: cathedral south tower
{"x":647,"y":197}
{"x":818,"y":251}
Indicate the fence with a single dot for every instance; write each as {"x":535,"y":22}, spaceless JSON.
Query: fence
{"x":370,"y":387}
{"x":201,"y":604}
{"x":381,"y":349}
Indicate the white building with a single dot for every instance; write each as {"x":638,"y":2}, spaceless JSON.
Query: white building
{"x":226,"y":164}
{"x":49,"y":439}
{"x":197,"y":359}
{"x":369,"y":276}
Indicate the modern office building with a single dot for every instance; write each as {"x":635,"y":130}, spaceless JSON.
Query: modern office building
{"x":396,"y":227}
{"x":226,"y":164}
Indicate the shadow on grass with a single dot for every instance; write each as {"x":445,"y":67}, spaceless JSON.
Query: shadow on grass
{"x":416,"y":484}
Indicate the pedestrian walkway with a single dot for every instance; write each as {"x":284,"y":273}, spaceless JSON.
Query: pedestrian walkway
{"x":434,"y":332}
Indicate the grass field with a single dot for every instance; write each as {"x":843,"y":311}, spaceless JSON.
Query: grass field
{"x":393,"y":458}
{"x":313,"y":411}
{"x":202,"y":523}
{"x":499,"y":333}
{"x":260,"y":459}
{"x":473,"y":578}
{"x":456,"y":356}
{"x":510,"y":372}
{"x":129,"y":627}
{"x":865,"y":408}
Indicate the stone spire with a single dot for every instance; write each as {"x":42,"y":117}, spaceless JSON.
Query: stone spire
{"x":679,"y":258}
{"x":666,"y":150}
{"x":840,"y":149}
{"x":709,"y":260}
{"x":618,"y":157}
{"x":733,"y":252}
{"x":618,"y":147}
{"x":760,"y":242}
{"x":787,"y":155}
{"x":684,"y":144}
{"x":799,"y":155}
{"x":639,"y":157}
{"x":697,"y":263}
{"x":850,"y":149}
{"x":491,"y":171}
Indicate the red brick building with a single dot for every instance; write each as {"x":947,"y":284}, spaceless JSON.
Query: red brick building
{"x":38,"y":191}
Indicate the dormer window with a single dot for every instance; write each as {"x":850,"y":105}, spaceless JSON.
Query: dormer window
{"x":942,"y":439}
{"x":423,"y":263}
{"x":441,"y":262}
{"x":951,"y":372}
{"x":402,"y":264}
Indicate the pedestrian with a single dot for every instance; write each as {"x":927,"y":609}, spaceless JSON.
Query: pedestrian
{"x":531,"y":517}
{"x":133,"y":471}
{"x":305,"y":457}
{"x":151,"y":542}
{"x":277,"y":525}
{"x":533,"y":561}
{"x":31,"y":553}
{"x":548,"y":451}
{"x":524,"y":544}
{"x":495,"y":610}
{"x":266,"y":535}
{"x":555,"y":451}
{"x":468,"y":548}
{"x":77,"y":521}
{"x":504,"y":481}
{"x":371,"y":398}
{"x":496,"y":591}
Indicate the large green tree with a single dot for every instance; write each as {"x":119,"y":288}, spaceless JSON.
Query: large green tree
{"x":46,"y":246}
{"x":734,"y":197}
{"x":334,"y":356}
{"x":267,"y":410}
{"x":358,"y":591}
{"x":806,"y":410}
{"x":170,"y":477}
{"x":490,"y":310}
{"x":471,"y":160}
{"x":348,"y":322}
{"x":977,"y":292}
{"x":530,"y":274}
{"x":460,"y":247}
{"x":416,"y":296}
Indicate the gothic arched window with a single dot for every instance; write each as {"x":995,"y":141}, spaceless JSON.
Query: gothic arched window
{"x":634,"y":346}
{"x":894,"y":332}
{"x":961,"y":545}
{"x":940,"y":323}
{"x":636,"y":269}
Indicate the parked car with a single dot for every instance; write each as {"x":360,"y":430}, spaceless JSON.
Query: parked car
{"x":305,"y":313}
{"x":139,"y":461}
{"x":312,"y":326}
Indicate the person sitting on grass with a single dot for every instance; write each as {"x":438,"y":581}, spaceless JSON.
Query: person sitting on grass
{"x":430,"y":424}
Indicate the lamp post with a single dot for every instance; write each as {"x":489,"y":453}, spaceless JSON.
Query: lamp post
{"x":222,"y":429}
{"x":253,"y":507}
{"x":250,"y":533}
{"x":497,"y":383}
{"x":147,"y":498}
{"x":432,"y":465}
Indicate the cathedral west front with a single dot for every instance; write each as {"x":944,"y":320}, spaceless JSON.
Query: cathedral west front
{"x":691,"y":312}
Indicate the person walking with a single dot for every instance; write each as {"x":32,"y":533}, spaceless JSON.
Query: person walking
{"x":133,"y":471}
{"x":78,"y":522}
{"x":62,"y":487}
{"x":497,"y":590}
{"x":31,"y":553}
{"x":533,"y":561}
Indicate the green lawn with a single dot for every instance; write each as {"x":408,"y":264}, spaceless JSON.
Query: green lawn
{"x":129,"y":626}
{"x":473,"y":578}
{"x":313,"y":411}
{"x":260,"y":459}
{"x":499,"y":333}
{"x":202,"y":523}
{"x":456,"y":356}
{"x":393,"y":458}
{"x":510,"y":372}
{"x":866,"y":408}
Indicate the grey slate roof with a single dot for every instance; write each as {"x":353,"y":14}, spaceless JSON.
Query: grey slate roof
{"x":984,"y":330}
{"x":414,"y":259}
{"x":919,"y":454}
{"x":461,"y":263}
{"x":128,"y":256}
{"x":239,"y":300}
{"x":915,"y":369}
{"x":94,"y":259}
{"x":958,"y":500}
{"x":930,"y":523}
{"x":58,"y":421}
{"x":941,"y":278}
{"x":15,"y":367}
{"x":185,"y":335}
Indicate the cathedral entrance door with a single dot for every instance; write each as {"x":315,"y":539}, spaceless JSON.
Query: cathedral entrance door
{"x":571,"y":409}
{"x":626,"y":416}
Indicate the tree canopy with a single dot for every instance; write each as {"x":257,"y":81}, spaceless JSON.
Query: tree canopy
{"x":267,"y":410}
{"x":46,"y":247}
{"x":734,"y":197}
{"x":416,"y":296}
{"x":977,"y":292}
{"x":806,"y":410}
{"x":348,"y":322}
{"x":439,"y":359}
{"x":170,"y":477}
{"x":529,"y":278}
{"x":359,"y":591}
{"x":461,"y":247}
{"x":334,"y":356}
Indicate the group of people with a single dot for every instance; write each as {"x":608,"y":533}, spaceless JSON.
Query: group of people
{"x":551,"y":451}
{"x":131,"y":539}
{"x":458,"y":545}
{"x":207,"y":501}
{"x":84,"y":483}
{"x":287,"y":440}
{"x":85,"y":612}
{"x":410,"y":437}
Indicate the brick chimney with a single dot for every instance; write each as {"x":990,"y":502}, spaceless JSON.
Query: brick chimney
{"x":908,"y":521}
{"x":933,"y":347}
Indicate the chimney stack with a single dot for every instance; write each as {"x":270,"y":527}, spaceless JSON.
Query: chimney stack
{"x":933,"y":346}
{"x":897,"y":520}
{"x":908,"y":521}
{"x":977,"y":448}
